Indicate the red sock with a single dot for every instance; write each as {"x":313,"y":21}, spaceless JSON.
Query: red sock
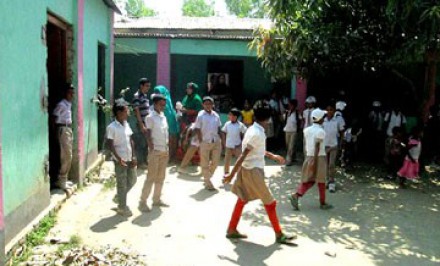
{"x":236,"y":215}
{"x":272,"y":213}
{"x":321,"y":187}
{"x":303,"y":187}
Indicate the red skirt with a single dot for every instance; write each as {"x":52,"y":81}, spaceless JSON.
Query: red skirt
{"x":409,"y":169}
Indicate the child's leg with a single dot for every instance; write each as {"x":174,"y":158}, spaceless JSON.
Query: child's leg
{"x":332,"y":153}
{"x":289,"y":146}
{"x":321,"y":189}
{"x":188,"y":156}
{"x":163,"y":158}
{"x":131,"y":178}
{"x":236,"y":215}
{"x":216,"y":153}
{"x":272,"y":213}
{"x":228,"y":155}
{"x":304,"y":187}
{"x":205,"y":149}
{"x":121,"y":185}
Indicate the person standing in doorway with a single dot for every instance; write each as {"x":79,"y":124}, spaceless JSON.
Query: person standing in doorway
{"x":158,"y":153}
{"x":63,"y":122}
{"x":141,"y":107}
{"x":121,"y":144}
{"x":293,"y":121}
{"x":207,"y":128}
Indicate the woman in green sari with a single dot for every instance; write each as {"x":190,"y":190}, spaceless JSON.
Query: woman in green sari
{"x":192,"y":103}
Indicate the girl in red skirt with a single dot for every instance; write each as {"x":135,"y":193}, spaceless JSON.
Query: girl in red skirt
{"x":410,"y":168}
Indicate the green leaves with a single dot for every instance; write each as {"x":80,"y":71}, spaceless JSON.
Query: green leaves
{"x":137,"y":8}
{"x":198,"y":8}
{"x":248,"y":8}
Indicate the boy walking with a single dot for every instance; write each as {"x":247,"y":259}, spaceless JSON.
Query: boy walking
{"x":232,"y":134}
{"x":121,"y":144}
{"x":157,"y":140}
{"x":250,"y":184}
{"x":208,"y":131}
{"x":193,"y":147}
{"x":315,"y":165}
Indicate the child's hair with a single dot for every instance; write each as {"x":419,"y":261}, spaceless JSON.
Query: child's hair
{"x":293,"y":102}
{"x":235,"y":112}
{"x":396,"y":130}
{"x":118,"y":108}
{"x":416,"y":131}
{"x":262,"y":114}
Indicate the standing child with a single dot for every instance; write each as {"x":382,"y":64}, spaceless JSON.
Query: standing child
{"x":193,"y":147}
{"x":233,"y":132}
{"x":208,"y":131}
{"x":158,"y":153}
{"x":307,"y":113}
{"x":250,"y":184}
{"x":333,"y":128}
{"x":121,"y":144}
{"x":293,"y":120}
{"x":315,"y":164}
{"x":394,"y":149}
{"x":247,"y":114}
{"x":410,"y":168}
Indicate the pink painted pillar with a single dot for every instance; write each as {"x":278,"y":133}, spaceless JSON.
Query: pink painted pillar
{"x":80,"y":93}
{"x":301,"y":92}
{"x":112,"y":54}
{"x":163,"y":63}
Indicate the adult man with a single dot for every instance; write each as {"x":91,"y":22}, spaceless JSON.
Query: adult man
{"x":141,"y":106}
{"x":63,"y":122}
{"x":157,"y":139}
{"x":208,"y":131}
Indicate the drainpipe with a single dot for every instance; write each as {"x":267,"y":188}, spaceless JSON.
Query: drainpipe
{"x":80,"y":93}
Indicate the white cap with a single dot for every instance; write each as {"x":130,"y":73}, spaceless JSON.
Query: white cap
{"x":340,"y":105}
{"x":311,"y":99}
{"x":318,"y":114}
{"x":376,"y":104}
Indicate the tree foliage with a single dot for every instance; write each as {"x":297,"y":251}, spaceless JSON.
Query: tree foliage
{"x":198,"y":8}
{"x":136,"y":8}
{"x":247,"y":8}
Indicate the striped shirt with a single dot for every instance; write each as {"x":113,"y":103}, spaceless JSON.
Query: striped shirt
{"x":140,"y":100}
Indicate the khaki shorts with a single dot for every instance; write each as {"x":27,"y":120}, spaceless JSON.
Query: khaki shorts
{"x":321,"y":172}
{"x":250,"y":185}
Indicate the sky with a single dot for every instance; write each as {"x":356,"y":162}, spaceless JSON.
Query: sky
{"x":174,"y":7}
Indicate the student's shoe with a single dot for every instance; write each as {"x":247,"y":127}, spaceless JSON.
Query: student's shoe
{"x":332,"y":187}
{"x":294,"y":201}
{"x":126,"y":212}
{"x":235,"y":235}
{"x":325,"y":206}
{"x":160,"y":204}
{"x":285,"y":239}
{"x":143,"y":207}
{"x":182,"y":170}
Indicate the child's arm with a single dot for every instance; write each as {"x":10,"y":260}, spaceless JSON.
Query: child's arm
{"x":149,"y":140}
{"x":111,"y":147}
{"x":275,"y":157}
{"x":133,"y":152}
{"x":223,"y":138}
{"x":227,"y":178}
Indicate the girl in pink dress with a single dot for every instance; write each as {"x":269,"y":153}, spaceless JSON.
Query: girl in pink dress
{"x":410,"y":168}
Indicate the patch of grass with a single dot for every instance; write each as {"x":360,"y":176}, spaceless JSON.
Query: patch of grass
{"x":74,"y":242}
{"x":110,"y":183}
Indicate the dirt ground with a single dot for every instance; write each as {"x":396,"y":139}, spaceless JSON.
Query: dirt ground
{"x":373,"y":222}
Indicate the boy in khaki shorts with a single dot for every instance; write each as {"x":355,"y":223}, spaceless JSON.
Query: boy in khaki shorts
{"x":207,"y":129}
{"x":315,"y":165}
{"x":250,"y":184}
{"x":157,"y":139}
{"x":232,"y":134}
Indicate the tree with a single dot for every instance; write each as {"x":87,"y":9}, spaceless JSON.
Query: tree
{"x":136,"y":8}
{"x":247,"y":8}
{"x":367,"y":34}
{"x":198,"y":8}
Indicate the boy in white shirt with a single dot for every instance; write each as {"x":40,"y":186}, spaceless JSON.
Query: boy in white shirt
{"x":193,"y":147}
{"x":293,"y":121}
{"x":121,"y":144}
{"x":232,"y":134}
{"x":250,"y":184}
{"x":334,"y":129}
{"x":208,"y":131}
{"x":315,"y":165}
{"x":307,"y":113}
{"x":158,"y":153}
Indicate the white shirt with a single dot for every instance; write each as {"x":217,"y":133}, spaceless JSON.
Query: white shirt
{"x":255,"y":140}
{"x":208,"y":123}
{"x":63,"y":112}
{"x":233,"y":133}
{"x":313,"y":134}
{"x":332,"y":127}
{"x":291,"y":123}
{"x":158,"y":126}
{"x":307,"y":114}
{"x":396,"y":120}
{"x":120,"y":134}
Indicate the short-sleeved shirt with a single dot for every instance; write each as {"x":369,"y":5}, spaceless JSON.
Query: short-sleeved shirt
{"x":121,"y":134}
{"x":307,"y":114}
{"x":332,"y":128}
{"x":291,"y":122}
{"x":254,"y":140}
{"x":248,"y":116}
{"x":158,"y":126}
{"x":233,"y":133}
{"x":312,"y":135}
{"x":194,"y":139}
{"x":208,"y":123}
{"x":140,"y":100}
{"x":395,"y":120}
{"x":63,"y":112}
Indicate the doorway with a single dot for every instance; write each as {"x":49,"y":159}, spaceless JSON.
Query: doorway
{"x":58,"y":41}
{"x":101,"y":90}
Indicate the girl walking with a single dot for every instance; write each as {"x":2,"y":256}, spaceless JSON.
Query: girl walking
{"x":410,"y":168}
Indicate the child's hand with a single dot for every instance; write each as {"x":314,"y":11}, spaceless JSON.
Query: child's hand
{"x":133,"y":162}
{"x":279,"y":159}
{"x":227,"y":178}
{"x":122,"y":162}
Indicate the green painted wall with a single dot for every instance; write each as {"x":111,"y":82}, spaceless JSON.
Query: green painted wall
{"x":135,"y":46}
{"x":96,"y":30}
{"x":23,"y":80}
{"x":211,"y":47}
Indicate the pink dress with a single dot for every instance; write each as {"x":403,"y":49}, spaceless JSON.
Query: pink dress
{"x":410,"y":169}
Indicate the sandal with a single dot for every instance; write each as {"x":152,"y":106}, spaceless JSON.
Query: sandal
{"x":285,"y":239}
{"x":326,"y":206}
{"x":235,"y":235}
{"x":294,"y":202}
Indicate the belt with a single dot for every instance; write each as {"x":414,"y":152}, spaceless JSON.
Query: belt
{"x":63,"y":125}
